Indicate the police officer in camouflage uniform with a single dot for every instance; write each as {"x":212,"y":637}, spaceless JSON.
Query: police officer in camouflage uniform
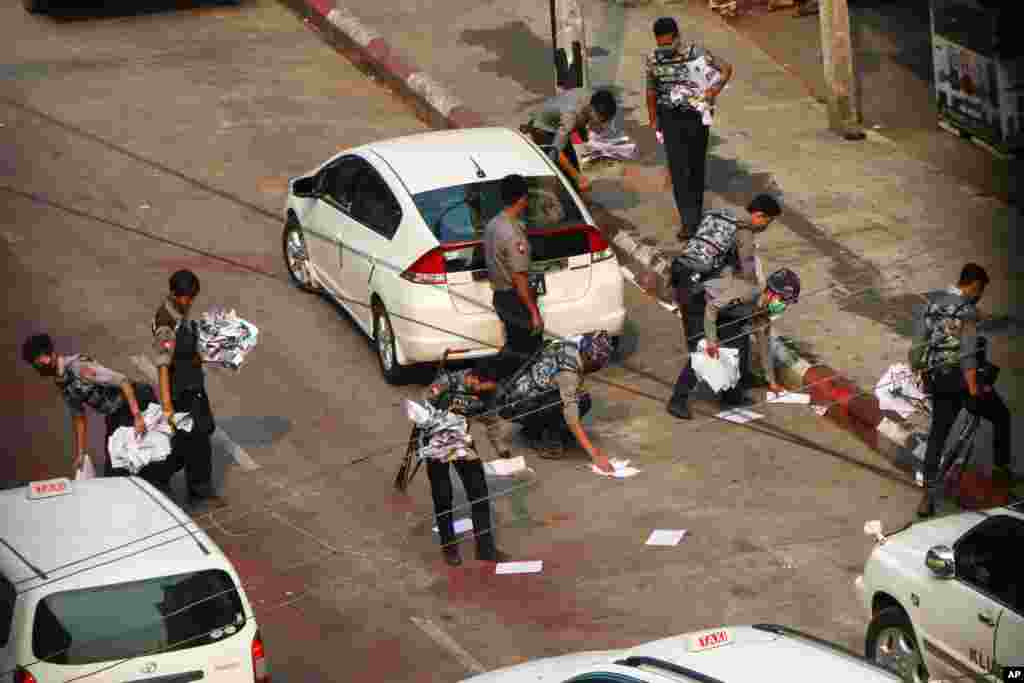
{"x":948,"y":354}
{"x":723,"y":246}
{"x":84,"y":382}
{"x":183,"y":385}
{"x":685,"y":135}
{"x":735,"y":308}
{"x":548,"y":398}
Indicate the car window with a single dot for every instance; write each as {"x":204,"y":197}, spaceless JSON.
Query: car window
{"x":7,"y":598}
{"x":374,"y":205}
{"x":338,"y":180}
{"x":985,"y":559}
{"x":132,"y":619}
{"x":461,"y":212}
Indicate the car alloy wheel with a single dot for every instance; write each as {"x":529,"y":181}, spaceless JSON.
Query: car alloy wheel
{"x":384,"y":337}
{"x":296,"y":257}
{"x":891,"y":644}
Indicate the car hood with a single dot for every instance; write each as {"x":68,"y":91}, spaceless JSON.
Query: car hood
{"x":922,"y":536}
{"x":549,"y":669}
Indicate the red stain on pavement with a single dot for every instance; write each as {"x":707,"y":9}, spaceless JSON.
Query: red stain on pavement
{"x":264,"y":263}
{"x":27,"y":393}
{"x":547,"y":600}
{"x":265,"y":587}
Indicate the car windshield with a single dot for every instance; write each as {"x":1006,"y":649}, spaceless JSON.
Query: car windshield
{"x":460,"y":212}
{"x":132,"y":619}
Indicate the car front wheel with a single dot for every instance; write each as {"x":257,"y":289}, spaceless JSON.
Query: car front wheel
{"x":296,"y":257}
{"x":384,"y":340}
{"x":890,"y":643}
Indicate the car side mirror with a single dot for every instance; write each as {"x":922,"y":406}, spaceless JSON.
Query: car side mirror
{"x":940,"y":561}
{"x":305,"y":187}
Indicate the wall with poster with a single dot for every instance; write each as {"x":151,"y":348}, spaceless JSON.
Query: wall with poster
{"x":978,"y":87}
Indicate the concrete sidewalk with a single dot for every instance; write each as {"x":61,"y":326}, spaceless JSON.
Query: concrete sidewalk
{"x":867,"y":227}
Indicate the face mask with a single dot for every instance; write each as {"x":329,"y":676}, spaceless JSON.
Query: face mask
{"x":776,"y":307}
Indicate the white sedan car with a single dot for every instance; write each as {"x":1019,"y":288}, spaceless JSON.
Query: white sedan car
{"x":392,"y":231}
{"x":744,"y":654}
{"x":946,"y":596}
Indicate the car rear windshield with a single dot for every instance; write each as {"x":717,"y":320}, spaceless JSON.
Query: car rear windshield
{"x":132,"y":619}
{"x":461,"y":212}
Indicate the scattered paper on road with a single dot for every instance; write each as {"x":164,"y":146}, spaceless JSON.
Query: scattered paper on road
{"x":820,"y":410}
{"x":461,"y":525}
{"x":789,"y":397}
{"x":533,"y":567}
{"x":621,"y":469}
{"x":666,"y":537}
{"x":504,"y":467}
{"x":739,"y":415}
{"x":893,"y":431}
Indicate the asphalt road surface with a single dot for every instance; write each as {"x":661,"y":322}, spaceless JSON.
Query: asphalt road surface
{"x":134,"y":143}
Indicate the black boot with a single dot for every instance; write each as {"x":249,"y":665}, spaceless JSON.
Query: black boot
{"x":927,"y":506}
{"x":679,"y":406}
{"x":451,"y":555}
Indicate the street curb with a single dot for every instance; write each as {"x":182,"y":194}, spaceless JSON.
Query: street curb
{"x":855,"y":410}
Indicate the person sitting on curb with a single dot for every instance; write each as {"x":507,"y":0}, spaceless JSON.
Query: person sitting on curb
{"x":546,"y":395}
{"x":735,"y":307}
{"x":573,"y":111}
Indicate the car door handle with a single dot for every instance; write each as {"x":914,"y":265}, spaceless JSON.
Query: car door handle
{"x":986,"y":619}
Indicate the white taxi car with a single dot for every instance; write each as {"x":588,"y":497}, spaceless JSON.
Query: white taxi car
{"x":109,"y":581}
{"x":946,"y":596}
{"x":744,"y":654}
{"x":392,"y":231}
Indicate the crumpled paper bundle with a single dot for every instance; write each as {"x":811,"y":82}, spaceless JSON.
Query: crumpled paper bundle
{"x":128,"y":451}
{"x":225,"y":339}
{"x":895,"y":386}
{"x":702,"y":75}
{"x":720,"y":373}
{"x":620,"y":148}
{"x":444,"y":435}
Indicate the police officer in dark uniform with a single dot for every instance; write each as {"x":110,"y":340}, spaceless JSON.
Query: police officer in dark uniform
{"x":183,"y":385}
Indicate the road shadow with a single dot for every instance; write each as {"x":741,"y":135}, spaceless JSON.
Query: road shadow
{"x":249,"y":431}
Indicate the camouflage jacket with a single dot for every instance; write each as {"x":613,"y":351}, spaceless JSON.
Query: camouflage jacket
{"x":946,"y":337}
{"x":713,"y":245}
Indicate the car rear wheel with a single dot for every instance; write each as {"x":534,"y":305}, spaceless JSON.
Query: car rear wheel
{"x":296,"y":257}
{"x":890,"y":643}
{"x":384,"y":340}
{"x":36,"y":6}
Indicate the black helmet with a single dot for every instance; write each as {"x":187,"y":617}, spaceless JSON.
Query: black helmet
{"x":786,"y":284}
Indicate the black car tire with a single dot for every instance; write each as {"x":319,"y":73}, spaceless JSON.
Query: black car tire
{"x":36,"y":6}
{"x":890,"y":619}
{"x":293,"y":228}
{"x":394,"y":373}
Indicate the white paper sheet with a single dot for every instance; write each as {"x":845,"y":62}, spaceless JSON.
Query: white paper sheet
{"x":893,"y":431}
{"x":670,"y":537}
{"x":621,"y":468}
{"x":789,"y":397}
{"x":534,"y":567}
{"x":504,"y":467}
{"x":461,"y":525}
{"x":739,"y":415}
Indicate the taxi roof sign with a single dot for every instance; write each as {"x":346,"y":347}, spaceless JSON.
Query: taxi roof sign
{"x":49,"y":488}
{"x":708,"y":640}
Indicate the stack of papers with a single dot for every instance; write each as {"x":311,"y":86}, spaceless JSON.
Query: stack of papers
{"x":620,"y":148}
{"x":534,"y":567}
{"x":789,"y":397}
{"x":622,"y":470}
{"x":669,"y":537}
{"x":739,"y":415}
{"x":225,"y":339}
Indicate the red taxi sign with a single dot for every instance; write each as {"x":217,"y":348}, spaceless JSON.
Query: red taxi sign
{"x":708,"y":640}
{"x":49,"y":488}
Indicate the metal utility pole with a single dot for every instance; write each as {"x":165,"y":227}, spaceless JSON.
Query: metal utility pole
{"x":840,"y":78}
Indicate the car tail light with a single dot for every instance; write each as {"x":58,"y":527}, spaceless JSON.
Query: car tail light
{"x":600,"y":250}
{"x":261,"y":674}
{"x":23,"y":676}
{"x":428,"y":269}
